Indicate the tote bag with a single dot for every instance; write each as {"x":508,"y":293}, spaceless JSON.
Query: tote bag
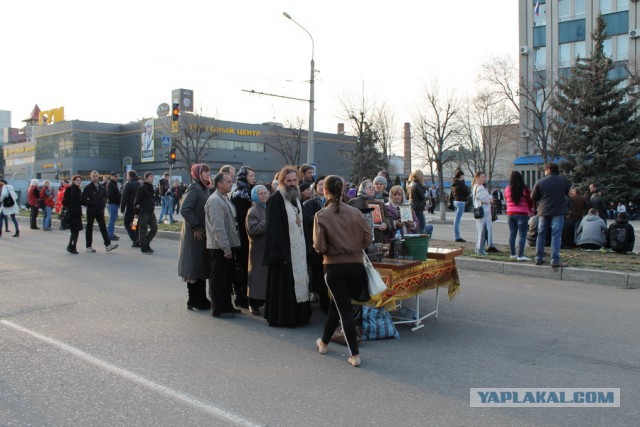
{"x":375,"y":282}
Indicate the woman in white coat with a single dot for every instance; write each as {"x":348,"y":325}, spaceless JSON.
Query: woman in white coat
{"x":8,"y":205}
{"x":482,"y":199}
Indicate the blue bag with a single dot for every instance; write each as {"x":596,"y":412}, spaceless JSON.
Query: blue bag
{"x":377,"y":324}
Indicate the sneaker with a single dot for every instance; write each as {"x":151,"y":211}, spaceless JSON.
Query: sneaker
{"x":147,"y":251}
{"x":513,"y":257}
{"x":493,"y":250}
{"x":461,"y":240}
{"x":111,"y":247}
{"x":523,"y":258}
{"x":91,"y":250}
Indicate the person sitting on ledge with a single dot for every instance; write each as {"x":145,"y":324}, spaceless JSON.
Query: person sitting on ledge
{"x":592,"y":232}
{"x":620,"y":235}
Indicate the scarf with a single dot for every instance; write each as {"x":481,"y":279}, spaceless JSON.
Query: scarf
{"x":254,"y":195}
{"x":243,"y":189}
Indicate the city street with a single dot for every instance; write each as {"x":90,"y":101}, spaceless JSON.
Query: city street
{"x":106,"y":339}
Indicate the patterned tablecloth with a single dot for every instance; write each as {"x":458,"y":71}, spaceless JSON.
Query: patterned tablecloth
{"x":408,"y":282}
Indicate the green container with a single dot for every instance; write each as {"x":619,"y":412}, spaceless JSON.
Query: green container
{"x":416,"y":246}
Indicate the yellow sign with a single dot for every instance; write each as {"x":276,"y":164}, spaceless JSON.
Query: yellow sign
{"x":175,"y":127}
{"x":48,"y":117}
{"x":10,"y":151}
{"x":230,"y":130}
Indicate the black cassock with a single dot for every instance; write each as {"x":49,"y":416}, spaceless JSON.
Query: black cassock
{"x":281,"y":306}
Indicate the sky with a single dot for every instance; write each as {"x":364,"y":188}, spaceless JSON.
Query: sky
{"x":116,"y":61}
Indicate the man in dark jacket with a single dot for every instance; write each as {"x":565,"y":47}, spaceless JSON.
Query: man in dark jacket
{"x":113,"y":203}
{"x":551,"y":193}
{"x":93,"y":197}
{"x":621,"y":235}
{"x":144,"y":205}
{"x":127,"y":205}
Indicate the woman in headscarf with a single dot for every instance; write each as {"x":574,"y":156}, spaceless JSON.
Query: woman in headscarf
{"x":73,"y":202}
{"x":193,"y":262}
{"x":241,"y":199}
{"x":256,"y":226}
{"x":365,"y":194}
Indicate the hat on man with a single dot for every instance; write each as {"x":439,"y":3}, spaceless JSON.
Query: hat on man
{"x":114,"y":173}
{"x":304,"y":186}
{"x":148,"y":174}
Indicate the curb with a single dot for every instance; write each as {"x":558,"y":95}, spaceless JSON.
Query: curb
{"x":597,"y":277}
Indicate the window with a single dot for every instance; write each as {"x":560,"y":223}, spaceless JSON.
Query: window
{"x":578,"y":10}
{"x":571,"y":31}
{"x":540,"y":58}
{"x":606,"y":6}
{"x":622,"y":47}
{"x":564,"y":10}
{"x":540,"y":16}
{"x":622,"y":5}
{"x":539,"y":36}
{"x":607,"y":47}
{"x":579,"y":50}
{"x":564,"y":55}
{"x":616,"y":23}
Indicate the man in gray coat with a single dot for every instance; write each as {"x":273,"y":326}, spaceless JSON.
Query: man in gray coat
{"x":223,"y":240}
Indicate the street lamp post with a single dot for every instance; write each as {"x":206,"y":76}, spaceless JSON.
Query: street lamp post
{"x":311,"y":142}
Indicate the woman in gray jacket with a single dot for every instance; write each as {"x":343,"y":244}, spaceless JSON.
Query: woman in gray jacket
{"x":193,"y":262}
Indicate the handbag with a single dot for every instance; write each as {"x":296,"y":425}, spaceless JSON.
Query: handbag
{"x":375,"y":283}
{"x":478,"y":213}
{"x":8,"y":201}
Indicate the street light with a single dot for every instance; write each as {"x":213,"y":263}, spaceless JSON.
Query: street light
{"x":311,"y":142}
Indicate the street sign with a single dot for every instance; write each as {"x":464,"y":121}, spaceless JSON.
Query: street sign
{"x":175,"y":127}
{"x":166,"y":141}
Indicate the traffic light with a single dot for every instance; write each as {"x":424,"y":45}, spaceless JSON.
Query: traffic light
{"x":175,"y":114}
{"x":172,"y":156}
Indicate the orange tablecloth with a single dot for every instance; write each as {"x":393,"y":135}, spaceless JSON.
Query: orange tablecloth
{"x":408,"y":282}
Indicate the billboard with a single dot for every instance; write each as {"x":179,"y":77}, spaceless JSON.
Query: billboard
{"x":146,"y":141}
{"x":184,"y":97}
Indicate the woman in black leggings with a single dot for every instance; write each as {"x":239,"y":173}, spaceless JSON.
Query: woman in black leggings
{"x":340,"y":233}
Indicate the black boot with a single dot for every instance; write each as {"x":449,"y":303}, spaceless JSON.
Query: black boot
{"x":198,"y":296}
{"x":17,"y":234}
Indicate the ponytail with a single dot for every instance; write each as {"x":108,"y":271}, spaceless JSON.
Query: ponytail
{"x":334,"y":185}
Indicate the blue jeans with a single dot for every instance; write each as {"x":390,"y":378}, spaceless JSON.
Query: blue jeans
{"x":46,"y":222}
{"x":556,"y":237}
{"x":167,"y":208}
{"x":518,"y":224}
{"x":428,"y":229}
{"x":459,"y":208}
{"x":113,"y":216}
{"x":421,"y":220}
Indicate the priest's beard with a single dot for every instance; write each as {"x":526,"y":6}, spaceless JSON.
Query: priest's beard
{"x":292,"y":194}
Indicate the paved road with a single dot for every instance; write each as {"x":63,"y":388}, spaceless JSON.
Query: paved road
{"x":105,"y":339}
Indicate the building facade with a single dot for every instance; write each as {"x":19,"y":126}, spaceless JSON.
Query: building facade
{"x":63,"y":149}
{"x":553,"y":33}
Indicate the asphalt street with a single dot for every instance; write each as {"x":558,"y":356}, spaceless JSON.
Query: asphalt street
{"x":105,"y":339}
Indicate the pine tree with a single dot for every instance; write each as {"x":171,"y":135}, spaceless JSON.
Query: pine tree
{"x":596,"y":128}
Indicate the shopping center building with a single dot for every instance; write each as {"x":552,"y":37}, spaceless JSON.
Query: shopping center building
{"x":62,"y":148}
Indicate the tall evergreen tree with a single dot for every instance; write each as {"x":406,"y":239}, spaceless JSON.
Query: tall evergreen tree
{"x":597,"y":125}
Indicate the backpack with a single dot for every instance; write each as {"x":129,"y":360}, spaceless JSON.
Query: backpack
{"x":618,"y":238}
{"x":8,"y":201}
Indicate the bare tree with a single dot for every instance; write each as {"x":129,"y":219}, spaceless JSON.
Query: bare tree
{"x":368,"y":123}
{"x":438,"y":128}
{"x":196,"y":134}
{"x":287,"y":141}
{"x":485,"y":132}
{"x":501,"y":76}
{"x":385,"y":125}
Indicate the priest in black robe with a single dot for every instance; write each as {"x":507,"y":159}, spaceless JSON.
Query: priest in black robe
{"x":287,"y":301}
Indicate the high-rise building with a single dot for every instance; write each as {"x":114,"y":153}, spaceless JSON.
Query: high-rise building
{"x":552,"y":34}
